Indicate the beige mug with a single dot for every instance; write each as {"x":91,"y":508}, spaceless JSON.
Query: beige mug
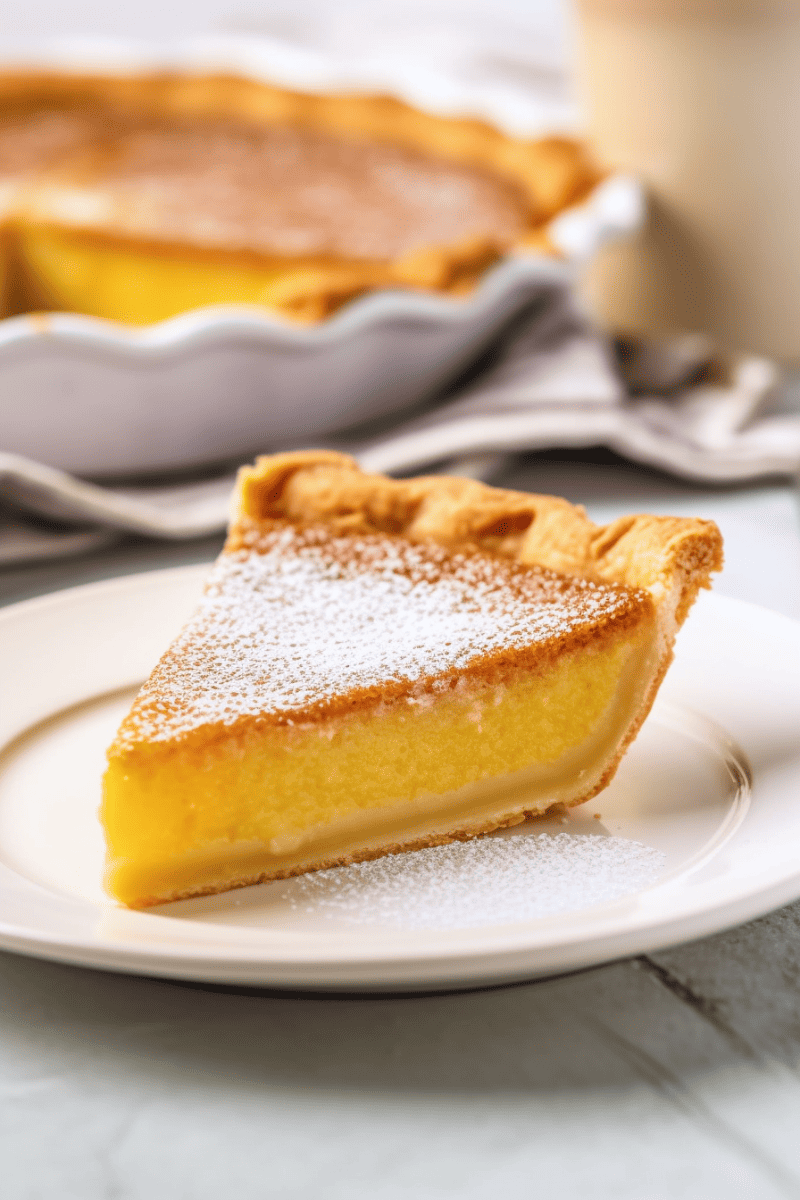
{"x":701,"y":99}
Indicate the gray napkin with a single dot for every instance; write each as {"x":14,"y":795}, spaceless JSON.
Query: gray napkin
{"x":550,"y":381}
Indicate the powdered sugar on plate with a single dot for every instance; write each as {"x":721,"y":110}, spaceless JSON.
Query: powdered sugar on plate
{"x":488,"y":881}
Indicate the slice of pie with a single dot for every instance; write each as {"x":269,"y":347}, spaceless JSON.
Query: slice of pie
{"x":141,"y":197}
{"x":379,"y":665}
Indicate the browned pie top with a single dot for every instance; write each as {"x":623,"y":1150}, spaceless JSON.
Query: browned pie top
{"x":291,"y":191}
{"x":299,"y":191}
{"x":35,"y":140}
{"x":303,"y":624}
{"x":339,"y":589}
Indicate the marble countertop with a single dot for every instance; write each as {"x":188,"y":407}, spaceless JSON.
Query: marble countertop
{"x":675,"y":1074}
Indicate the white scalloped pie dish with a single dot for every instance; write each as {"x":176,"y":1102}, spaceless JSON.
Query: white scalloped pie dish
{"x":97,"y":398}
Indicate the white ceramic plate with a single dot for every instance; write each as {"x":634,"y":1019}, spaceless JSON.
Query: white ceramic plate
{"x":108,"y":399}
{"x":713,"y":783}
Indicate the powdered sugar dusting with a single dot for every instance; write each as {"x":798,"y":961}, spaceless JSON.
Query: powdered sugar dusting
{"x":488,"y":881}
{"x":308,"y":617}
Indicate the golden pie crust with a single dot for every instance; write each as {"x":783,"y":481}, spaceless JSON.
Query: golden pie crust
{"x":77,"y":181}
{"x":669,"y":558}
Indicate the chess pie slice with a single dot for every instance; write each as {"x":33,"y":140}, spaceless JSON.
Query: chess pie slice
{"x":379,"y":665}
{"x":138,"y":198}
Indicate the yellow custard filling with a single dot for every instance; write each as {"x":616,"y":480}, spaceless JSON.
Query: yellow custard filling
{"x":250,"y":804}
{"x":63,"y":269}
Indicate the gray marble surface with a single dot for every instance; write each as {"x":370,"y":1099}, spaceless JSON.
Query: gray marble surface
{"x":673,"y":1075}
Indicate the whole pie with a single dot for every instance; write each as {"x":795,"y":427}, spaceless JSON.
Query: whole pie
{"x":380,"y":665}
{"x":137,"y":198}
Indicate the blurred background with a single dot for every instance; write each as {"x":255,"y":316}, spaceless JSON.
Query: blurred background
{"x":521,"y":49}
{"x":655,"y":327}
{"x":692,"y":96}
{"x":532,"y":35}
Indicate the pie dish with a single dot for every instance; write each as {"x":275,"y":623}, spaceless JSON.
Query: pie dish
{"x":150,"y":393}
{"x":136,"y":198}
{"x":380,"y":665}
